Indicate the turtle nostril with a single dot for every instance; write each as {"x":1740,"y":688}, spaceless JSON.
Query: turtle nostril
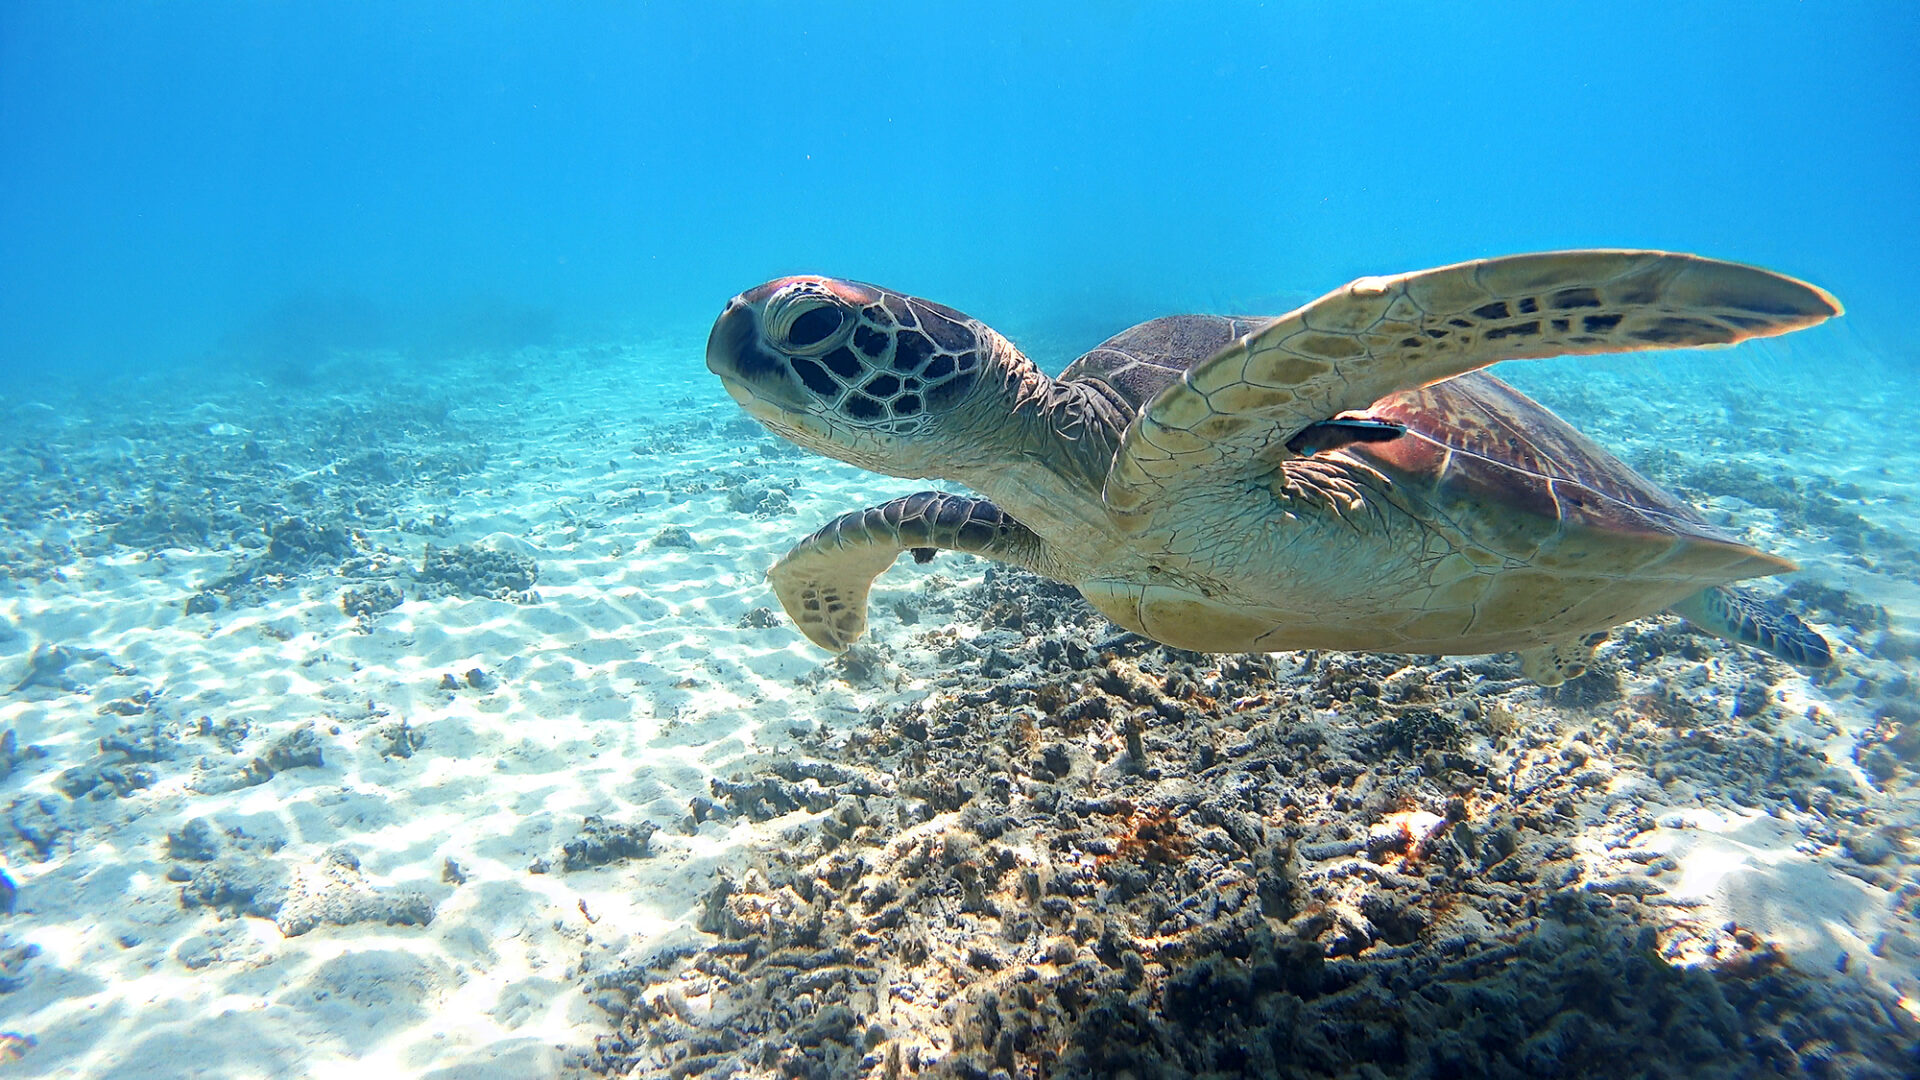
{"x":814,"y":326}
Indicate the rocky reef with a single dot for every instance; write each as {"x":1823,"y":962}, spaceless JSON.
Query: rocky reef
{"x":1084,"y":854}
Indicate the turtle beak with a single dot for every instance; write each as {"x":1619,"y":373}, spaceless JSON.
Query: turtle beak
{"x":735,"y":354}
{"x":735,"y":337}
{"x":755,"y":378}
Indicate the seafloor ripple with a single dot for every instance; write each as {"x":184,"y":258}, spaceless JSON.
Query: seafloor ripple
{"x":438,"y":722}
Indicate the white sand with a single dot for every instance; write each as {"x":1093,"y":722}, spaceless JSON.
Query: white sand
{"x":621,"y":692}
{"x":1777,"y":876}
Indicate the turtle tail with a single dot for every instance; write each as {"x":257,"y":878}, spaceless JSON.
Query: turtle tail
{"x":1743,"y":616}
{"x":824,"y":580}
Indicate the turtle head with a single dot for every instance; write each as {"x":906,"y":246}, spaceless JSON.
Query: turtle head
{"x":856,"y":372}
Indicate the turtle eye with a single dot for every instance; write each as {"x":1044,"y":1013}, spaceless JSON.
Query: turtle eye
{"x":814,"y":327}
{"x":806,"y":319}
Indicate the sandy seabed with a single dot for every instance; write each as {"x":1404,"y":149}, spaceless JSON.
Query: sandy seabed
{"x":435,"y":723}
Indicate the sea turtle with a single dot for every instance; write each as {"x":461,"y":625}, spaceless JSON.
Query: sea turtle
{"x":1340,"y":477}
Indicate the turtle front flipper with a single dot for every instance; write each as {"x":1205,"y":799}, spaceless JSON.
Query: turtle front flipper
{"x":1231,"y":416}
{"x":824,"y":580}
{"x":1742,"y":616}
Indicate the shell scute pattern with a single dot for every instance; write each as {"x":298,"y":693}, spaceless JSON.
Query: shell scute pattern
{"x":1140,"y":362}
{"x":1486,"y":439}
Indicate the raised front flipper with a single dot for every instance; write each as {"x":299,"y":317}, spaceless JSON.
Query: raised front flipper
{"x":1743,"y":616}
{"x":1231,"y":416}
{"x":823,"y":582}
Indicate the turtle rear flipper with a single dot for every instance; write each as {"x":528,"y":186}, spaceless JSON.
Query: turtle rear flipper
{"x":824,"y":580}
{"x":1742,"y":616}
{"x":1553,"y":664}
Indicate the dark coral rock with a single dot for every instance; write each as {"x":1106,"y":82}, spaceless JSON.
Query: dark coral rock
{"x":102,"y":780}
{"x":14,"y":956}
{"x":375,"y":465}
{"x":760,"y":618}
{"x":760,"y":499}
{"x":1415,"y":730}
{"x":601,"y":842}
{"x":218,"y":779}
{"x":12,"y":755}
{"x":472,"y":571}
{"x":239,"y":885}
{"x":228,"y":731}
{"x":1897,"y":728}
{"x":40,"y":823}
{"x":402,"y":740}
{"x":1241,"y":902}
{"x":299,"y":544}
{"x":132,"y":705}
{"x":296,"y":547}
{"x":149,"y":740}
{"x":769,"y":797}
{"x":673,"y":537}
{"x":370,"y":601}
{"x":393,"y":907}
{"x":161,"y":527}
{"x":296,"y":749}
{"x":197,"y":841}
{"x":227,"y":870}
{"x":1599,"y":684}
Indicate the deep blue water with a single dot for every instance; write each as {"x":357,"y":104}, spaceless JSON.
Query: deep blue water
{"x":179,"y":182}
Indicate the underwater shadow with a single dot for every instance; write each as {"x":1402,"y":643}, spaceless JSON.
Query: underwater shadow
{"x":1581,"y":992}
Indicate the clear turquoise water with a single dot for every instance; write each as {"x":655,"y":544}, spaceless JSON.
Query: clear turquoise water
{"x":180,"y":182}
{"x":266,"y":265}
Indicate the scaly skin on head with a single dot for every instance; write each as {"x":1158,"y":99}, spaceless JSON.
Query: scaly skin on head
{"x":910,"y":388}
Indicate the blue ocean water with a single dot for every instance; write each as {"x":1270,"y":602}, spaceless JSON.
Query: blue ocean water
{"x":178,"y":181}
{"x":390,"y":682}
